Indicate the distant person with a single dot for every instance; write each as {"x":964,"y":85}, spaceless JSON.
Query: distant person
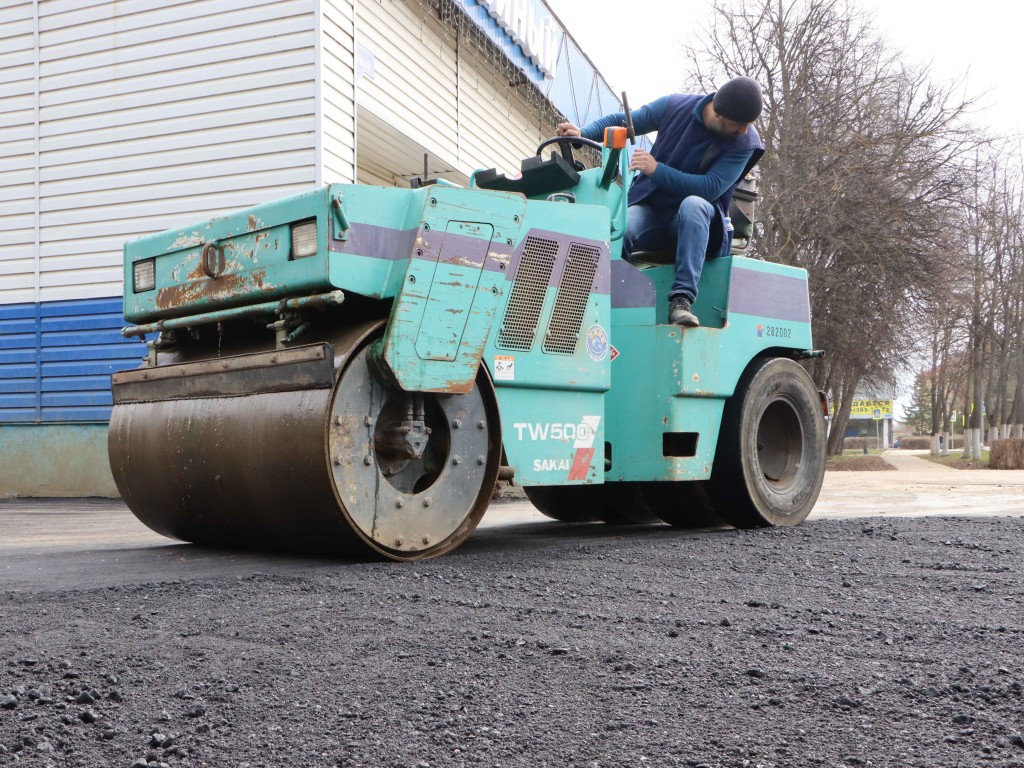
{"x":706,"y":144}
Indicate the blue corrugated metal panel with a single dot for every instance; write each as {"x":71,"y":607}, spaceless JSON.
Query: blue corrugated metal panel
{"x":101,"y":413}
{"x":91,"y":337}
{"x":17,"y":311}
{"x":9,"y":356}
{"x":19,"y":385}
{"x":83,"y":308}
{"x":56,"y":359}
{"x":17,"y":340}
{"x":20,"y":325}
{"x":19,"y":360}
{"x":91,"y":352}
{"x":17,"y":372}
{"x":75,"y":399}
{"x":18,"y":400}
{"x":81,"y":323}
{"x":8,"y":415}
{"x":75,"y":383}
{"x":89,"y":368}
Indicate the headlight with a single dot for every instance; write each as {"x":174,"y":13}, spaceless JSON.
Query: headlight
{"x":304,"y":239}
{"x":144,"y":274}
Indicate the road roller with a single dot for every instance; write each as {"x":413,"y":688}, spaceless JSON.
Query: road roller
{"x":351,"y":370}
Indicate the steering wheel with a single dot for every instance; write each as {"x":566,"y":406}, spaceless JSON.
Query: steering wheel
{"x":565,"y":144}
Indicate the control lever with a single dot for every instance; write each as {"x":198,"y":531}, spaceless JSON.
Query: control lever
{"x":628,"y":119}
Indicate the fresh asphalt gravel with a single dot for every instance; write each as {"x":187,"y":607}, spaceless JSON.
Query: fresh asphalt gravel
{"x":883,"y":642}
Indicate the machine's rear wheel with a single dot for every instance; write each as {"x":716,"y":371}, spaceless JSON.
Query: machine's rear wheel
{"x":682,"y":504}
{"x":560,"y":502}
{"x":614,"y":503}
{"x":771,"y":456}
{"x":621,"y":503}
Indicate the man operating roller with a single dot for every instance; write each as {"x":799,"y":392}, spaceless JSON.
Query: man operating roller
{"x":705,"y":145}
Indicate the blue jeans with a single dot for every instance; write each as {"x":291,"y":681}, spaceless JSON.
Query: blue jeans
{"x":650,"y":229}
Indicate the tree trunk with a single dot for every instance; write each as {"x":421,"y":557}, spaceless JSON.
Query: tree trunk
{"x":842,"y":418}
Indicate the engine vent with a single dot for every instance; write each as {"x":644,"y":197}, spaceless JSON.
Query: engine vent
{"x":527,"y":300}
{"x":577,"y":282}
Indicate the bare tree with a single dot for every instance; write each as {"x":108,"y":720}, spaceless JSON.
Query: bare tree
{"x":976,"y":326}
{"x":861,"y":177}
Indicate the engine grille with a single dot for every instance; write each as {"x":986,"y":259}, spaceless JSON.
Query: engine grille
{"x":571,"y":303}
{"x":519,"y":326}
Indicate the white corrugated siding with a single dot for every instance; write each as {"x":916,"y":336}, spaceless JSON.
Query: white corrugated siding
{"x":413,"y":86}
{"x":497,"y":126}
{"x":441,"y":95}
{"x":156,"y":114}
{"x":17,"y":148}
{"x":337,"y":91}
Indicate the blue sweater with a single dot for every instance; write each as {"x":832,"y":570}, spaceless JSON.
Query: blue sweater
{"x":692,"y":160}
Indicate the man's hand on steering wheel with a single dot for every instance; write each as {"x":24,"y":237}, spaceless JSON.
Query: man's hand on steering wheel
{"x":566,"y":141}
{"x":567,"y":129}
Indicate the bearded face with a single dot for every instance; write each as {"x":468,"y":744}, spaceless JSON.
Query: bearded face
{"x":722,"y":126}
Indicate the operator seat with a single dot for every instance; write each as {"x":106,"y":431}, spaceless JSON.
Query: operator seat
{"x":741,"y":213}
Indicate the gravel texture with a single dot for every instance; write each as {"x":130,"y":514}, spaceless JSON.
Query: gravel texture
{"x":890,"y":642}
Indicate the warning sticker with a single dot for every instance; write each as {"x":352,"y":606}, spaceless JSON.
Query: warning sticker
{"x":584,"y":446}
{"x":504,"y":368}
{"x":597,"y":342}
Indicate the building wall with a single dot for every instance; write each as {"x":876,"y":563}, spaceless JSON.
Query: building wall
{"x":337,"y":91}
{"x":427,"y":87}
{"x":126,"y":117}
{"x":123,"y":118}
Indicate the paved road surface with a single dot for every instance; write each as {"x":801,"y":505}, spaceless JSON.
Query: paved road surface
{"x":844,"y":642}
{"x":63,"y":543}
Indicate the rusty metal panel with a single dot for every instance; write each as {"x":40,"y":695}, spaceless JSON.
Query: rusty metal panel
{"x":308,"y":367}
{"x":244,"y":257}
{"x":453,"y":289}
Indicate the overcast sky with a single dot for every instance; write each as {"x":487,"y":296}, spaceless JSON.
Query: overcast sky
{"x":982,"y":40}
{"x":641,"y":53}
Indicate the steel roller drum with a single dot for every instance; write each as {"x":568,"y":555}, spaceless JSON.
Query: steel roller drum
{"x":296,"y":450}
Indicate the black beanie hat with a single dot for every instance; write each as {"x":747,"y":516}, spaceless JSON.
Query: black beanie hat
{"x":739,"y":100}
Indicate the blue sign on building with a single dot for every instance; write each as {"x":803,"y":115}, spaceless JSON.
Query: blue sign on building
{"x":533,"y":39}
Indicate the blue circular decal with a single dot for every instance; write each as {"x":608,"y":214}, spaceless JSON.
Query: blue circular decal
{"x":597,"y":343}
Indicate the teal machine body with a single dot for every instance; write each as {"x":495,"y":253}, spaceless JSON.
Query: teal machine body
{"x":357,"y":366}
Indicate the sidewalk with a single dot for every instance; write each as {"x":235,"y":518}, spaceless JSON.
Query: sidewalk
{"x":912,"y":461}
{"x":921,"y":487}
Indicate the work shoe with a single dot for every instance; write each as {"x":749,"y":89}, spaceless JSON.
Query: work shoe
{"x":680,"y":313}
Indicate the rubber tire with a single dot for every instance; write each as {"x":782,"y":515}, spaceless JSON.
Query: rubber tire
{"x":614,"y":503}
{"x":771,"y":454}
{"x":560,"y":502}
{"x":619,"y":503}
{"x":682,"y":504}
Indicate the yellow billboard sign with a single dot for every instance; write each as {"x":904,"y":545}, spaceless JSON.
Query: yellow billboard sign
{"x":871,"y":409}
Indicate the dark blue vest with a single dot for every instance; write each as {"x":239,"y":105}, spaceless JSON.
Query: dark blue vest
{"x":679,"y":133}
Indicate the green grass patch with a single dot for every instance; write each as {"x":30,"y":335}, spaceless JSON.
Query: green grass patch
{"x":856,"y":461}
{"x":956,"y":460}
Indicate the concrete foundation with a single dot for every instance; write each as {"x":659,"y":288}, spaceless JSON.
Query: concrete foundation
{"x":55,"y":460}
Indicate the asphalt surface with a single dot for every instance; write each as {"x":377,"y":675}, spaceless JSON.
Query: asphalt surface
{"x":872,"y":638}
